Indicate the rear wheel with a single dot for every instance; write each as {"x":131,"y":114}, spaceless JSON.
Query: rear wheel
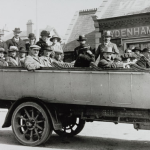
{"x":71,"y":127}
{"x":31,"y":124}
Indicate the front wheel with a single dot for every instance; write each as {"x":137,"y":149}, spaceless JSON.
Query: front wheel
{"x":71,"y":127}
{"x":31,"y":124}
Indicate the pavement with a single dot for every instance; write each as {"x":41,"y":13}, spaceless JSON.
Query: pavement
{"x":95,"y":136}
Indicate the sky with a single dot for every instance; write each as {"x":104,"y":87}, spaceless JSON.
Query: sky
{"x":55,"y":13}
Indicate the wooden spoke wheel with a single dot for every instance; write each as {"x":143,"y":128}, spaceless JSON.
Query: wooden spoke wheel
{"x":71,"y":127}
{"x":31,"y":124}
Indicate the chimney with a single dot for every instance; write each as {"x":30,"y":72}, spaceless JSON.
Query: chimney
{"x":29,"y":27}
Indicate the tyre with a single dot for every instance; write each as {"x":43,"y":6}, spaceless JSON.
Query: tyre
{"x":31,"y":124}
{"x":71,"y":127}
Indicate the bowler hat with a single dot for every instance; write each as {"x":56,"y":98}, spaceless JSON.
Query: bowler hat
{"x":35,"y":47}
{"x":31,"y":36}
{"x":107,"y":33}
{"x":82,"y":38}
{"x":17,"y":30}
{"x":3,"y":50}
{"x":13,"y":48}
{"x":45,"y":33}
{"x":136,"y":49}
{"x":22,"y":50}
{"x":55,"y":36}
{"x":48,"y":48}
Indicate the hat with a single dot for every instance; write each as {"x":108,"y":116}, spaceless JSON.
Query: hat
{"x":136,"y":49}
{"x":31,"y":35}
{"x":13,"y":48}
{"x":82,"y":38}
{"x":35,"y":47}
{"x":145,"y":50}
{"x":45,"y":33}
{"x":55,"y":36}
{"x":17,"y":30}
{"x":1,"y":32}
{"x":107,"y":33}
{"x":48,"y":48}
{"x":108,"y":50}
{"x":3,"y":50}
{"x":22,"y":50}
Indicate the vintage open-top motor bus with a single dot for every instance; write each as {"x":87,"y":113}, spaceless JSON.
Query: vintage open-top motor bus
{"x":63,"y":99}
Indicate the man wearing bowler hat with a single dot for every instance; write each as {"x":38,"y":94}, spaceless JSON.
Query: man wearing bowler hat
{"x":106,"y":43}
{"x":2,"y":43}
{"x":32,"y":41}
{"x":43,"y":41}
{"x":33,"y":61}
{"x":47,"y":60}
{"x":16,"y":40}
{"x":82,"y":40}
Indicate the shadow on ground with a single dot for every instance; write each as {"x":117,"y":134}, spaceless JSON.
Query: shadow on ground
{"x":80,"y":142}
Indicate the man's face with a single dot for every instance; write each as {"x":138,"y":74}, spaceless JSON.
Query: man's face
{"x":55,"y":40}
{"x":1,"y":54}
{"x":22,"y":55}
{"x":17,"y":35}
{"x":32,"y":41}
{"x":82,"y":42}
{"x":107,"y":39}
{"x":13,"y":54}
{"x":107,"y":56}
{"x":52,"y":55}
{"x":47,"y":53}
{"x":57,"y":56}
{"x":34,"y":52}
{"x":44,"y":38}
{"x":1,"y":37}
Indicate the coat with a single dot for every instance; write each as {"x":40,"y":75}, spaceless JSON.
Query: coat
{"x":13,"y":62}
{"x":11,"y":42}
{"x":4,"y":45}
{"x":32,"y":63}
{"x":42,"y":44}
{"x":27,"y":46}
{"x":84,"y":60}
{"x":77,"y":51}
{"x":109,"y":64}
{"x":102,"y":47}
{"x":143,"y":62}
{"x":47,"y":61}
{"x":3,"y":63}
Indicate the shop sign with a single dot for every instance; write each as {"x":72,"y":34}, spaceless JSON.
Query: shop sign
{"x":131,"y":32}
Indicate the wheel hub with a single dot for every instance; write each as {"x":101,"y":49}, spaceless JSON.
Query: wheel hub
{"x":31,"y":124}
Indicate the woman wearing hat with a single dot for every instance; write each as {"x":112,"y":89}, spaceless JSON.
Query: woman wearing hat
{"x":16,"y":40}
{"x":32,"y":41}
{"x":2,"y":59}
{"x":13,"y":59}
{"x":43,"y":41}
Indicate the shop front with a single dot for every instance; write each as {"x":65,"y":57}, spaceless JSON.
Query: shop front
{"x":127,"y":31}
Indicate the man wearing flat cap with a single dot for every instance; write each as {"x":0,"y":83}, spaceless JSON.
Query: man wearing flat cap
{"x":43,"y":41}
{"x":12,"y":59}
{"x":16,"y":40}
{"x":2,"y":43}
{"x":2,"y":59}
{"x":32,"y":41}
{"x":106,"y":43}
{"x":33,"y":61}
{"x":47,"y":60}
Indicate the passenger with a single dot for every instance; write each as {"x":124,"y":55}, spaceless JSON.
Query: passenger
{"x":143,"y":62}
{"x":146,"y":53}
{"x":22,"y":55}
{"x":52,"y":56}
{"x":137,"y":52}
{"x":56,"y":46}
{"x":47,"y":60}
{"x":33,"y":61}
{"x":12,"y":59}
{"x":16,"y":40}
{"x":2,"y":43}
{"x":85,"y":57}
{"x":2,"y":59}
{"x":107,"y":62}
{"x":62,"y":57}
{"x":107,"y":43}
{"x":82,"y":40}
{"x":58,"y":54}
{"x":43,"y":41}
{"x":32,"y":41}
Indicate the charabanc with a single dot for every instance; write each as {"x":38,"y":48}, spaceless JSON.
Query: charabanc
{"x":63,"y":99}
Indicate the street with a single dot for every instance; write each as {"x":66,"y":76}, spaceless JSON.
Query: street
{"x":95,"y":136}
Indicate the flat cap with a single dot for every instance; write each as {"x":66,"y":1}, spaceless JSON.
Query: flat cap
{"x":35,"y":47}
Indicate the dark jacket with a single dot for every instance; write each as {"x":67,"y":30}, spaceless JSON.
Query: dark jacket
{"x":84,"y":60}
{"x":101,"y":49}
{"x":42,"y":44}
{"x":27,"y":46}
{"x":4,"y":45}
{"x":11,"y":42}
{"x":77,"y":51}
